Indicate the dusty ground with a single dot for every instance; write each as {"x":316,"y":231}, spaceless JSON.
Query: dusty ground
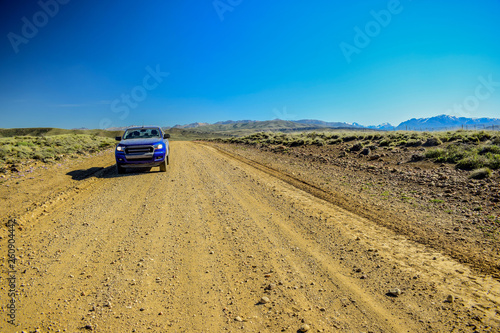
{"x":433,"y":204}
{"x":217,"y":244}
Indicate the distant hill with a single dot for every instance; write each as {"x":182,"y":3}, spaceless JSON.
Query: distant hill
{"x":228,"y":122}
{"x":447,"y":122}
{"x":327,"y":124}
{"x":48,"y":131}
{"x":382,"y":127}
{"x":193,"y":125}
{"x":240,"y":128}
{"x":243,"y":127}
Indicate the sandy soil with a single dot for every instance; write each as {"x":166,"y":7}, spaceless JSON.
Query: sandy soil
{"x":217,"y":244}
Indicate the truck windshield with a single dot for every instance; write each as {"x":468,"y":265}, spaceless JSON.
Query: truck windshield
{"x":142,"y":133}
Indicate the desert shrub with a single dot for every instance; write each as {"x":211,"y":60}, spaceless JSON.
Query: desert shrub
{"x":42,"y":155}
{"x":431,"y":142}
{"x":5,"y":150}
{"x":471,"y":162}
{"x":297,"y":143}
{"x":357,"y":147}
{"x":480,"y":173}
{"x":401,"y":143}
{"x":25,"y":143}
{"x":494,"y":162}
{"x":457,"y":136}
{"x":435,"y":153}
{"x":493,"y":149}
{"x":482,"y":136}
{"x":348,"y":138}
{"x":452,"y":154}
{"x":413,"y":143}
{"x":384,"y":143}
{"x":318,"y":142}
{"x":22,"y":151}
{"x":334,"y":141}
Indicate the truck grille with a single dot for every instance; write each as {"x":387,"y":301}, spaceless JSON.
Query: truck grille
{"x":139,"y":150}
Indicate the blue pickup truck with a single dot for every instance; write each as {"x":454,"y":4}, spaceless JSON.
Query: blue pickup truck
{"x":142,"y":147}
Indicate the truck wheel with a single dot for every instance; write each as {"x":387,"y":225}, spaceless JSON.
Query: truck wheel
{"x":168,"y":159}
{"x":163,"y":166}
{"x":120,"y":170}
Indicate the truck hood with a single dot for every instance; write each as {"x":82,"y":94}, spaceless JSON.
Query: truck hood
{"x":139,"y":142}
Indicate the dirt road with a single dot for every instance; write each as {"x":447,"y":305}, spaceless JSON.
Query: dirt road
{"x":216,"y":245}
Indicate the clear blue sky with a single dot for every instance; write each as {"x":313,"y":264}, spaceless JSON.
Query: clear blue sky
{"x":74,"y":63}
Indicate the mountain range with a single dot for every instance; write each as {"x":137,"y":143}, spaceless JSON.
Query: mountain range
{"x":440,"y":122}
{"x":448,"y":122}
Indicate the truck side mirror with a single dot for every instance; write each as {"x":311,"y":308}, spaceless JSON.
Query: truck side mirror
{"x":166,"y":136}
{"x":118,"y":138}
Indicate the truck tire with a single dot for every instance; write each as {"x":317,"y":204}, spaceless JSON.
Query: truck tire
{"x":120,"y":170}
{"x":168,"y":159}
{"x":163,"y":166}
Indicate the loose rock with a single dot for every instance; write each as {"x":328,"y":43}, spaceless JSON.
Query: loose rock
{"x":394,"y":292}
{"x":304,"y":328}
{"x":264,"y":300}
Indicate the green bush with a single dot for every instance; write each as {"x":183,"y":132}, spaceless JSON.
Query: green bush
{"x":384,"y":143}
{"x":334,"y":141}
{"x":471,"y":163}
{"x":481,"y":136}
{"x":480,"y":173}
{"x":431,"y":142}
{"x":489,"y":149}
{"x":348,"y":138}
{"x":494,"y":162}
{"x":413,"y":143}
{"x":435,"y":153}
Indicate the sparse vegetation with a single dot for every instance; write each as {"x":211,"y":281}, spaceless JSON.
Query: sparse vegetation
{"x":50,"y":148}
{"x":480,"y":173}
{"x":468,"y":150}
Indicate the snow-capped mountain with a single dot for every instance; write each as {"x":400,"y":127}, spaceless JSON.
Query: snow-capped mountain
{"x":447,"y":122}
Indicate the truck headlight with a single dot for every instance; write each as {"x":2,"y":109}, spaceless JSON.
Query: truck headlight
{"x":158,"y":146}
{"x":120,"y":148}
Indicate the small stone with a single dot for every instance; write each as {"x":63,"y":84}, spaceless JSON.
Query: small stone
{"x":271,"y":286}
{"x":365,"y":151}
{"x":264,"y":300}
{"x":394,"y":292}
{"x":238,"y":318}
{"x":450,"y":299}
{"x":304,"y":328}
{"x":88,"y":327}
